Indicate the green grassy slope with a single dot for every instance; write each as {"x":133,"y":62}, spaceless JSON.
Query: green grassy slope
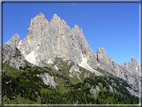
{"x":24,"y":87}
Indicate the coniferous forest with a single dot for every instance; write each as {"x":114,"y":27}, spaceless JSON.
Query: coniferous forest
{"x":25,"y":87}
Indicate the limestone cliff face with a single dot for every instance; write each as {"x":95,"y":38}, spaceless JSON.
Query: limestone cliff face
{"x":106,"y":63}
{"x":36,"y":32}
{"x":127,"y":71}
{"x":133,"y":67}
{"x":46,"y":40}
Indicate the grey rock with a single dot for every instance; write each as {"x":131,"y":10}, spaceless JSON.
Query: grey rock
{"x":47,"y":40}
{"x":54,"y":38}
{"x":127,"y":71}
{"x":92,"y":61}
{"x":102,"y":56}
{"x":132,"y":92}
{"x":86,"y":75}
{"x":14,"y":41}
{"x":48,"y":80}
{"x":75,"y":70}
{"x":69,"y":62}
{"x":133,"y":67}
{"x":94,"y":91}
{"x":12,"y":55}
{"x":71,"y":75}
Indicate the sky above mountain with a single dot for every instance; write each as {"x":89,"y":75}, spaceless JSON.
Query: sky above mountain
{"x":113,"y":26}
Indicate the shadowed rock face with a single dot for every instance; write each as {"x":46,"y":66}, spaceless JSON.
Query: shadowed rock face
{"x":12,"y":55}
{"x":102,"y":56}
{"x":46,"y":40}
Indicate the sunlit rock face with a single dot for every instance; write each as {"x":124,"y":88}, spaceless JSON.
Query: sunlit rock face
{"x":127,"y":71}
{"x":133,"y":66}
{"x":14,"y":41}
{"x":47,"y":79}
{"x":48,"y":39}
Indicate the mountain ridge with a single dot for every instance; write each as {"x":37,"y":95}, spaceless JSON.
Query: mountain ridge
{"x":47,"y":40}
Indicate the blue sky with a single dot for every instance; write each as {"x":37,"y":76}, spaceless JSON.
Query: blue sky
{"x":113,"y":26}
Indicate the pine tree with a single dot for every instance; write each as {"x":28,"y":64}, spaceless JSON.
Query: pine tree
{"x":97,"y":101}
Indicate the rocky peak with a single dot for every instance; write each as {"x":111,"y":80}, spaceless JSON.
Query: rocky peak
{"x":55,"y":15}
{"x":133,"y":66}
{"x":75,"y":28}
{"x":58,"y":39}
{"x":41,"y":15}
{"x":39,"y":22}
{"x":14,"y":41}
{"x":102,"y":56}
{"x":47,"y":40}
{"x":56,"y":18}
{"x":134,"y":61}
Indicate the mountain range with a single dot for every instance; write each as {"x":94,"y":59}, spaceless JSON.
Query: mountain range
{"x":56,"y":46}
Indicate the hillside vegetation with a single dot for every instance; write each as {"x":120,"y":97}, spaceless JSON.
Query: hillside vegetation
{"x":25,"y":87}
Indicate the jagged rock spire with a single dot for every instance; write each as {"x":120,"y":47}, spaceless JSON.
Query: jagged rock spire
{"x":76,"y":27}
{"x":14,"y":41}
{"x":47,"y":40}
{"x":134,"y":60}
{"x":102,"y":56}
{"x":39,"y":23}
{"x":56,"y":18}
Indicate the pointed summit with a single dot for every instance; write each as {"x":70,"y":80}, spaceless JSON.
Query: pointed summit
{"x":38,"y":22}
{"x":40,"y":14}
{"x":16,"y":35}
{"x":15,"y":39}
{"x":102,"y":56}
{"x":55,"y":17}
{"x":134,"y":61}
{"x":75,"y":27}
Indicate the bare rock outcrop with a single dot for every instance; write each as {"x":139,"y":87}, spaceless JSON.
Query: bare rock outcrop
{"x":47,"y":40}
{"x":102,"y":56}
{"x":75,"y":70}
{"x":133,"y":67}
{"x":14,"y":41}
{"x":47,"y":79}
{"x":35,"y":33}
{"x":127,"y":71}
{"x":12,"y":56}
